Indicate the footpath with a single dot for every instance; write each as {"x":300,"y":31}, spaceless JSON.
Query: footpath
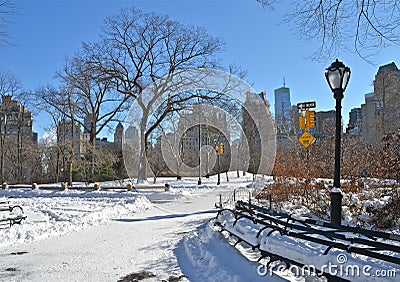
{"x":134,"y":247}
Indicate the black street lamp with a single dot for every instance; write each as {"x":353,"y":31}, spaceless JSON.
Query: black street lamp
{"x":338,"y":76}
{"x":199,"y":181}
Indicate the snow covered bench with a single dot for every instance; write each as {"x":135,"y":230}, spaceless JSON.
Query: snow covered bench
{"x":10,"y":214}
{"x":305,"y":243}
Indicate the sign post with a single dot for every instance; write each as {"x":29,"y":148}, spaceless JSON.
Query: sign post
{"x":306,"y":122}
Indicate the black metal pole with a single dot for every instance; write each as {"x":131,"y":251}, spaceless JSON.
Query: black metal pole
{"x":199,"y":181}
{"x":219,"y":177}
{"x":336,"y":194}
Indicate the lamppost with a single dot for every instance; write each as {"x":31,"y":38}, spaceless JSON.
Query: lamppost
{"x":338,"y":76}
{"x":199,"y":181}
{"x":3,"y":134}
{"x":219,"y":150}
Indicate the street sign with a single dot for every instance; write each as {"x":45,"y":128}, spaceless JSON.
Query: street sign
{"x":306,"y":105}
{"x":306,"y":139}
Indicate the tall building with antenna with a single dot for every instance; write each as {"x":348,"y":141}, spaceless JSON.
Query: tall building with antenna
{"x":282,"y":109}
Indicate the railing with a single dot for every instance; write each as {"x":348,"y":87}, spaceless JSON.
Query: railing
{"x":241,"y":193}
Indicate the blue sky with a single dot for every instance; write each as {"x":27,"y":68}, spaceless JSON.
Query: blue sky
{"x":46,"y":32}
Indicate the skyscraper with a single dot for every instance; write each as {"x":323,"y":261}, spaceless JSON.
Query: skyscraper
{"x":355,"y":122}
{"x":381,"y":110}
{"x":258,"y":130}
{"x":15,"y":119}
{"x":69,"y":138}
{"x":282,"y":109}
{"x":119,"y":134}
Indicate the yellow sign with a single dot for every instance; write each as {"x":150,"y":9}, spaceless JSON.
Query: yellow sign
{"x":306,"y":139}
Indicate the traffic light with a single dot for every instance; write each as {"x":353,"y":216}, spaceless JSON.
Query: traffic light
{"x":310,"y":119}
{"x":221,"y":148}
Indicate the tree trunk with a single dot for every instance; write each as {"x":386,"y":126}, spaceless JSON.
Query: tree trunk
{"x":2,"y":159}
{"x":3,"y":138}
{"x":92,"y":149}
{"x":57,"y":167}
{"x":69,"y":173}
{"x":19,"y":153}
{"x":142,"y":174}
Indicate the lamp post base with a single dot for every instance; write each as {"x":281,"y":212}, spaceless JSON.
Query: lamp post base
{"x":336,"y":206}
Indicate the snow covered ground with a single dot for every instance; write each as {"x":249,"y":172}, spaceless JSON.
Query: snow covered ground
{"x":111,"y":235}
{"x":118,"y":235}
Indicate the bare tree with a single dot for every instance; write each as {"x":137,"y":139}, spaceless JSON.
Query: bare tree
{"x":157,"y":163}
{"x":171,"y":146}
{"x":141,"y":49}
{"x":55,"y":155}
{"x":362,"y":26}
{"x":61,"y":106}
{"x":9,"y":86}
{"x":87,"y":99}
{"x":96,"y":101}
{"x":7,"y":9}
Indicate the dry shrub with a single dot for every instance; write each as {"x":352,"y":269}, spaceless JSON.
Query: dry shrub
{"x":372,"y":207}
{"x":352,"y":186}
{"x":307,"y":192}
{"x":387,"y":215}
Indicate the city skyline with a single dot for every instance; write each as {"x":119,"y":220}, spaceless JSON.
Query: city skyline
{"x":45,"y":32}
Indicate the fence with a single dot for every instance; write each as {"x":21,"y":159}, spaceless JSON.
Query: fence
{"x":96,"y":186}
{"x":241,"y":193}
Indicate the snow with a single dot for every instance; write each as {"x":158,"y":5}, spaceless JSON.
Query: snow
{"x":106,"y":235}
{"x":149,"y":235}
{"x":205,"y":255}
{"x":299,"y":250}
{"x":54,"y":213}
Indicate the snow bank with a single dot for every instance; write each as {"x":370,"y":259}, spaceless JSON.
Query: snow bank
{"x":205,"y":255}
{"x":53,"y":213}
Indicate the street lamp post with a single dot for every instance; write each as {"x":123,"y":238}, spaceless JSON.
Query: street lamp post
{"x":219,"y":169}
{"x":337,"y":75}
{"x":199,"y":181}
